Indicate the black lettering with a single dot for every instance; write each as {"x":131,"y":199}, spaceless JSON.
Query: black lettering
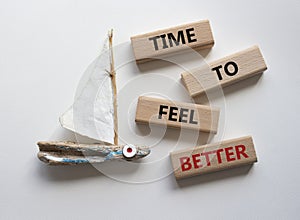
{"x":192,"y":118}
{"x":190,"y":35}
{"x":172,"y":39}
{"x":161,"y":111}
{"x":183,"y":113}
{"x":235,"y":66}
{"x":172,"y":113}
{"x":217,"y":69}
{"x":163,"y":37}
{"x":154,"y":41}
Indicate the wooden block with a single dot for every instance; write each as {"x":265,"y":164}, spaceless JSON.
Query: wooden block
{"x":213,"y":157}
{"x":159,"y":43}
{"x":224,"y":72}
{"x":177,"y":114}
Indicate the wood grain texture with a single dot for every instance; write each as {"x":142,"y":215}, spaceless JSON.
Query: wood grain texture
{"x":144,"y":49}
{"x":249,"y":63}
{"x":187,"y":115}
{"x":213,"y":157}
{"x":114,"y":85}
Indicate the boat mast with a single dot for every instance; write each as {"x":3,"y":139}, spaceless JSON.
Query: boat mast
{"x":114,"y":86}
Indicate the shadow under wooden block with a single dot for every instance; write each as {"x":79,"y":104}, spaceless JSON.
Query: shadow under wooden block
{"x":216,"y":176}
{"x":174,"y":134}
{"x":181,"y":59}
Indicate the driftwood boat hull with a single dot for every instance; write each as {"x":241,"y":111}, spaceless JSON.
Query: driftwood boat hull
{"x":70,"y":153}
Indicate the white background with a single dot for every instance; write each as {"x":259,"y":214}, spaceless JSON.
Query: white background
{"x":46,"y":45}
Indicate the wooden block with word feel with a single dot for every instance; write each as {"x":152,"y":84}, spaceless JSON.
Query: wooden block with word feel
{"x":224,"y":72}
{"x":197,"y":35}
{"x":177,"y":114}
{"x":213,"y":157}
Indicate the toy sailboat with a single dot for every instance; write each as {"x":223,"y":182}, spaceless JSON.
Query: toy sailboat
{"x":94,"y":115}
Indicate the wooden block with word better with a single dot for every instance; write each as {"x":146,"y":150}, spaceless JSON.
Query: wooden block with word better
{"x":177,"y":114}
{"x":213,"y":157}
{"x":157,"y":44}
{"x":224,"y":72}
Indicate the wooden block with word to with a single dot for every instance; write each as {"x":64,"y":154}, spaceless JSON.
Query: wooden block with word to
{"x":213,"y":157}
{"x":159,"y":43}
{"x":224,"y":72}
{"x":177,"y":114}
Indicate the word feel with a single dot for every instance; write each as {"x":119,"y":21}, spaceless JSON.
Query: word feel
{"x":184,"y":115}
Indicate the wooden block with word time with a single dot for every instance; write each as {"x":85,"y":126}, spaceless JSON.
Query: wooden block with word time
{"x":197,"y":35}
{"x":224,"y":72}
{"x":177,"y":114}
{"x":213,"y":157}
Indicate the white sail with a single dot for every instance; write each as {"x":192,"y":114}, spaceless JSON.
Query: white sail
{"x":92,"y":113}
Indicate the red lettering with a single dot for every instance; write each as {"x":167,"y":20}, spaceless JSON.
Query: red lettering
{"x":196,"y":161}
{"x":219,"y":155}
{"x":228,"y":154}
{"x":185,"y":163}
{"x":206,"y":154}
{"x":240,"y":149}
